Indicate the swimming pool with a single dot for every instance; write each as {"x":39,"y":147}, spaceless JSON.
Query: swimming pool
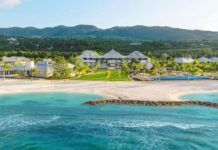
{"x":186,"y":77}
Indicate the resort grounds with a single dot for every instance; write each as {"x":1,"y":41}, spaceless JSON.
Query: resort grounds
{"x":126,"y":90}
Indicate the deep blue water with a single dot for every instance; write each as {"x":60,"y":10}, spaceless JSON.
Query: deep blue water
{"x":60,"y":121}
{"x":186,"y":77}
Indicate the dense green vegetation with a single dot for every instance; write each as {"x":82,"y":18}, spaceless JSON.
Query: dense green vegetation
{"x":67,"y":47}
{"x":210,"y":68}
{"x":106,"y":75}
{"x":131,"y":33}
{"x":162,"y":54}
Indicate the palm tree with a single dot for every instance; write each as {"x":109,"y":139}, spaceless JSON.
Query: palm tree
{"x":1,"y":61}
{"x":33,"y":71}
{"x":6,"y":67}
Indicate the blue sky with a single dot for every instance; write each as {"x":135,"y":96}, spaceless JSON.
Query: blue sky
{"x":189,"y":14}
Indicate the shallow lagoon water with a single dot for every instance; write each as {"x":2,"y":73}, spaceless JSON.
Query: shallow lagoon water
{"x":60,"y":121}
{"x":212,"y":97}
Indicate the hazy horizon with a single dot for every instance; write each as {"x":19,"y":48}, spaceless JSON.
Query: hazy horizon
{"x":101,"y":27}
{"x":184,"y":14}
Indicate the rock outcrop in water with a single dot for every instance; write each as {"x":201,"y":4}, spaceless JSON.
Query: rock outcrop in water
{"x":153,"y":103}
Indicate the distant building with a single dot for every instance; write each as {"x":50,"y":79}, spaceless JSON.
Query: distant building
{"x":203,"y":59}
{"x":44,"y":68}
{"x":21,"y":64}
{"x":141,"y":57}
{"x":113,"y":59}
{"x":135,"y":44}
{"x":90,"y":57}
{"x":184,"y":60}
{"x":138,"y":55}
{"x":214,"y":59}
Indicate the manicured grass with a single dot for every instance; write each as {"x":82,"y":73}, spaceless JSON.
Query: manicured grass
{"x":106,"y":75}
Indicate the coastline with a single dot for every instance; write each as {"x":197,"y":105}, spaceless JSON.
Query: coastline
{"x":155,"y":90}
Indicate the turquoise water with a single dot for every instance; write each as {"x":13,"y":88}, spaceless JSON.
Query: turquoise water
{"x":59,"y":121}
{"x":213,"y":97}
{"x":185,"y":77}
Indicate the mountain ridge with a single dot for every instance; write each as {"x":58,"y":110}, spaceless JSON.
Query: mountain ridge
{"x":138,"y":32}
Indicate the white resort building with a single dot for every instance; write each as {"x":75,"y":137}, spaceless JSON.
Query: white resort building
{"x":44,"y":68}
{"x":214,"y":59}
{"x":141,"y":57}
{"x":17,"y":65}
{"x":90,"y":57}
{"x":113,"y":59}
{"x":184,"y":60}
{"x":21,"y":65}
{"x":205,"y":59}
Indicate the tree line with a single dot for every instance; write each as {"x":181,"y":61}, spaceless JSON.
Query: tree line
{"x":34,"y":47}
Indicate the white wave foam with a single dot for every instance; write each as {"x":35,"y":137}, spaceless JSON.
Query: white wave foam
{"x":21,"y":121}
{"x":152,"y":124}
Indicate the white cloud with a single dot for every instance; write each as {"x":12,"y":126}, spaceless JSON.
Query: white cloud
{"x":9,"y":3}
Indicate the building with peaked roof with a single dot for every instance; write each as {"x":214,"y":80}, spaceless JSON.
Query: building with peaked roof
{"x":214,"y":59}
{"x":22,"y":65}
{"x":113,"y":59}
{"x":138,"y":55}
{"x":112,"y":54}
{"x":184,"y":60}
{"x":90,"y":57}
{"x":203,"y":59}
{"x":44,"y":68}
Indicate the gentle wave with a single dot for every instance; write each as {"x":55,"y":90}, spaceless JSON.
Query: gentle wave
{"x":152,"y":124}
{"x":21,"y":121}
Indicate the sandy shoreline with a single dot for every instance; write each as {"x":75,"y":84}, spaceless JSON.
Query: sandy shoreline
{"x":156,"y":91}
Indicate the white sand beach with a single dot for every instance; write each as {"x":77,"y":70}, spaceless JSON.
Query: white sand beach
{"x":164,"y":90}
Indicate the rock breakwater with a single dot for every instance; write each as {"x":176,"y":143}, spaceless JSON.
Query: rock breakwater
{"x":153,"y":103}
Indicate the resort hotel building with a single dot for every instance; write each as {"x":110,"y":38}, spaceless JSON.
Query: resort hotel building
{"x":201,"y":59}
{"x":113,"y":59}
{"x":184,"y":60}
{"x":21,"y":65}
{"x":44,"y":68}
{"x":205,"y":59}
{"x":16,"y":65}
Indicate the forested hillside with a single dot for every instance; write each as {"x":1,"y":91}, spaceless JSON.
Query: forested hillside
{"x":127,"y":33}
{"x":33,"y":47}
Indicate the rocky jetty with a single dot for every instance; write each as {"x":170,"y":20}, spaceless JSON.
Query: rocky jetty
{"x":153,"y":103}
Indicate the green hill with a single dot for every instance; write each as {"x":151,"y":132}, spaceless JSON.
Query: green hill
{"x":132,"y":33}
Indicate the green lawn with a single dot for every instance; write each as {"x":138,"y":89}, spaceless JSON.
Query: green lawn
{"x":102,"y":75}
